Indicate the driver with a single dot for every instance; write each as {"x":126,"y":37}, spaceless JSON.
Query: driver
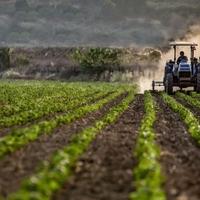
{"x":182,"y":57}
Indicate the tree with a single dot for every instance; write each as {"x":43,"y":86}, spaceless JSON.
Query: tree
{"x":4,"y":58}
{"x":97,"y":59}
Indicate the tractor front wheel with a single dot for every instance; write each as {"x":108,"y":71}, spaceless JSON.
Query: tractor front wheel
{"x":198,"y":83}
{"x":169,"y":84}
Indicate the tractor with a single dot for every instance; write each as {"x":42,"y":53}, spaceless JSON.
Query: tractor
{"x":181,"y":73}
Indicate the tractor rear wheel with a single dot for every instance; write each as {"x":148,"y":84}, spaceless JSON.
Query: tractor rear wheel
{"x":169,"y":84}
{"x":198,"y":83}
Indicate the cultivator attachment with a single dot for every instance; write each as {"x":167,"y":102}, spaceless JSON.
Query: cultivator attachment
{"x":157,"y":84}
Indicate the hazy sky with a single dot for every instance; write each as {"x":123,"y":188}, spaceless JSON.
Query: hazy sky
{"x":95,"y":22}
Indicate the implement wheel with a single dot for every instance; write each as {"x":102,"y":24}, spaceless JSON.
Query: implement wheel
{"x":153,"y":86}
{"x":169,"y":84}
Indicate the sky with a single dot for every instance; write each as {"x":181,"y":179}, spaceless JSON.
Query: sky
{"x":118,"y":23}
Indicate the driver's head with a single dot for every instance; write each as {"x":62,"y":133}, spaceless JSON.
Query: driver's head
{"x":182,"y":53}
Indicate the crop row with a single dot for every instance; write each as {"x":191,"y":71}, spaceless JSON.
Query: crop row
{"x":22,"y":136}
{"x":195,"y":95}
{"x":192,"y":101}
{"x":15,"y":98}
{"x":15,"y":94}
{"x":51,"y":175}
{"x":185,"y":114}
{"x":35,"y":104}
{"x":45,"y":108}
{"x":31,"y":109}
{"x":29,"y":100}
{"x":148,"y":179}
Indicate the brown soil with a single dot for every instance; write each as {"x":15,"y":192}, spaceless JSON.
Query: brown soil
{"x":104,"y":172}
{"x":22,"y":163}
{"x":180,"y":156}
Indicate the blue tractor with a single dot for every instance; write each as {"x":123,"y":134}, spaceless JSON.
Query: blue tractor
{"x":181,"y":72}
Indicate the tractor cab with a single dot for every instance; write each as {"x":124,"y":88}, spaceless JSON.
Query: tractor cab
{"x":181,"y":72}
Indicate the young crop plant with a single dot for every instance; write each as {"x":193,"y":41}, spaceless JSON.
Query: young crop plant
{"x":53,"y":174}
{"x":148,"y":179}
{"x":192,"y":101}
{"x":21,"y":137}
{"x":186,"y":115}
{"x":23,"y":103}
{"x":195,"y":95}
{"x":45,"y":108}
{"x":28,"y":106}
{"x":33,"y":103}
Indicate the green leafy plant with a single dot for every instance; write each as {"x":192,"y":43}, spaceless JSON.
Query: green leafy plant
{"x":195,"y":95}
{"x":148,"y":179}
{"x":186,"y":115}
{"x":26,"y":103}
{"x":50,"y":106}
{"x":50,"y":177}
{"x":192,"y":101}
{"x":22,"y":136}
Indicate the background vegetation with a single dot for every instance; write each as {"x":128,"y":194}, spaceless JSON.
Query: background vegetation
{"x":4,"y":59}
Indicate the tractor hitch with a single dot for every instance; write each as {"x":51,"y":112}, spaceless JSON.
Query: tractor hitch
{"x":157,"y":84}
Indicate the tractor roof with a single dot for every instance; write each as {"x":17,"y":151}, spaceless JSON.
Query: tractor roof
{"x":183,"y":44}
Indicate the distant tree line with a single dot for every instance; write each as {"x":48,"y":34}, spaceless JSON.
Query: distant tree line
{"x":98,"y":59}
{"x":4,"y":58}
